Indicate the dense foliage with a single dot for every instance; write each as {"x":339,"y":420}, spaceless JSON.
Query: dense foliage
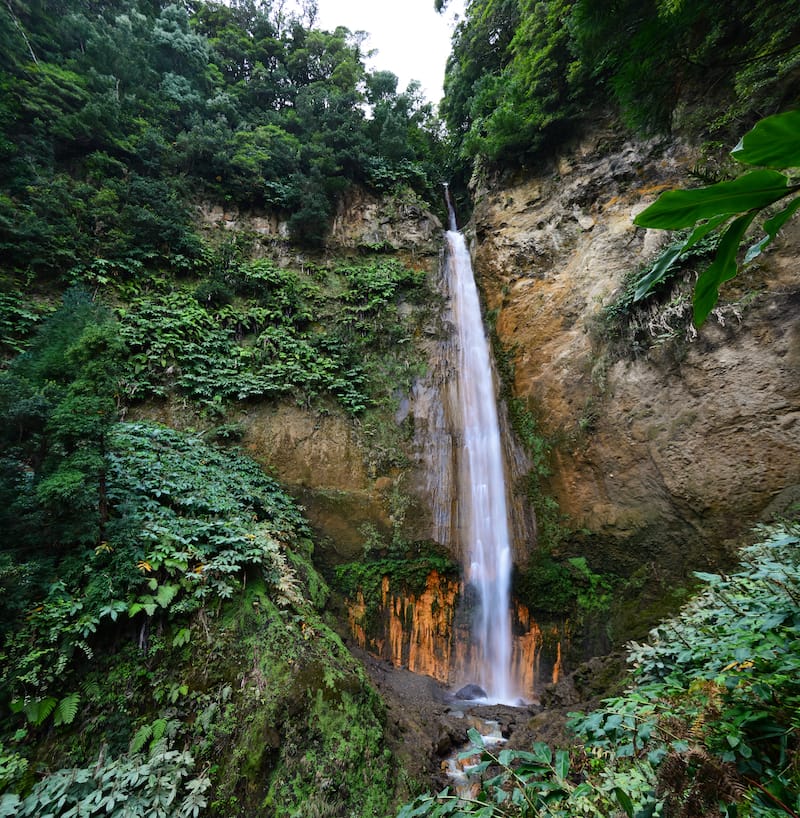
{"x":257,"y":331}
{"x":113,"y":116}
{"x":524,"y":73}
{"x":709,"y":725}
{"x":332,"y":333}
{"x":163,"y":649}
{"x":129,"y":650}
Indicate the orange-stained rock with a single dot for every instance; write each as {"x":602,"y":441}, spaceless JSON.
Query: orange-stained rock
{"x":422,"y":633}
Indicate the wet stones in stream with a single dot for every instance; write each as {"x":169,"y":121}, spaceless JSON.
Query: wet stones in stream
{"x":427,"y":724}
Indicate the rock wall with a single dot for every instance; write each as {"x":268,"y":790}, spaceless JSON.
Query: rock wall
{"x":665,"y":451}
{"x":423,"y":633}
{"x":324,"y":457}
{"x":399,"y":223}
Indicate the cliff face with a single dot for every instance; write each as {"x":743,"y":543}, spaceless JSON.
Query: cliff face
{"x":424,"y":633}
{"x":334,"y":464}
{"x":678,"y":442}
{"x":668,"y":443}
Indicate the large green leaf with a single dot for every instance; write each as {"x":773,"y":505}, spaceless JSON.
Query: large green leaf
{"x":562,"y":764}
{"x":624,"y":801}
{"x":542,"y":753}
{"x":141,"y":737}
{"x":772,"y":226}
{"x":165,"y":594}
{"x":676,"y":209}
{"x":37,"y":710}
{"x":706,"y":291}
{"x":658,"y":270}
{"x":774,"y":142}
{"x":672,"y":254}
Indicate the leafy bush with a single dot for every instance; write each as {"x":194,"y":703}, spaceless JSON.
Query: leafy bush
{"x":156,"y":785}
{"x":285,"y":335}
{"x":187,"y":522}
{"x":634,"y":323}
{"x":18,"y":318}
{"x":526,"y":74}
{"x":58,"y":403}
{"x":708,"y":726}
{"x":561,"y":588}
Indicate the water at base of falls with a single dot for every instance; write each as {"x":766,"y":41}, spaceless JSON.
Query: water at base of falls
{"x":483,"y":515}
{"x":459,"y":765}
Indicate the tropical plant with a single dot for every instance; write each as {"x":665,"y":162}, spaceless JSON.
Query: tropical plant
{"x":285,"y":333}
{"x":708,"y":725}
{"x":58,"y":402}
{"x":161,"y":784}
{"x":186,"y":523}
{"x":728,"y":208}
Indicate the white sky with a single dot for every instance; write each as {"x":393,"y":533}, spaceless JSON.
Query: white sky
{"x":411,"y":39}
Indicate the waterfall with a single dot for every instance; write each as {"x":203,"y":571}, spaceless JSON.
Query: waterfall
{"x":483,"y":516}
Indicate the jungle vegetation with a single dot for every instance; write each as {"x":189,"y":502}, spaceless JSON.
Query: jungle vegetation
{"x":525,"y":75}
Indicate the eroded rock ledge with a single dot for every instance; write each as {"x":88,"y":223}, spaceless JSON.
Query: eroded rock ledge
{"x":662,"y":452}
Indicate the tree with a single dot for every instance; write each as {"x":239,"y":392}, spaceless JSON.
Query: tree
{"x":729,"y":208}
{"x":523,"y":107}
{"x":729,"y":61}
{"x":58,"y":404}
{"x":73,"y":485}
{"x":480,"y":53}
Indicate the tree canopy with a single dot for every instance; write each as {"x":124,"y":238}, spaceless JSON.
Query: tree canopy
{"x":523,"y":73}
{"x":113,"y":115}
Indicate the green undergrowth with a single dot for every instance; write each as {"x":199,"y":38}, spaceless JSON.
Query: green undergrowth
{"x":708,"y":724}
{"x":19,"y":316}
{"x":164,"y":650}
{"x":237,"y":329}
{"x":252,"y":330}
{"x":562,"y":588}
{"x":181,"y":665}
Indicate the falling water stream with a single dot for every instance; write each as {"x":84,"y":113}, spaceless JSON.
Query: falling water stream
{"x":483,"y":516}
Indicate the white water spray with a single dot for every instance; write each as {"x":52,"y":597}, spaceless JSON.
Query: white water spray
{"x":481,"y":488}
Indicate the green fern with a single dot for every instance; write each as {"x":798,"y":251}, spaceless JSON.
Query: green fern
{"x":165,"y":595}
{"x":141,"y":737}
{"x":181,"y":638}
{"x":152,"y":733}
{"x":37,"y":710}
{"x":67,"y":709}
